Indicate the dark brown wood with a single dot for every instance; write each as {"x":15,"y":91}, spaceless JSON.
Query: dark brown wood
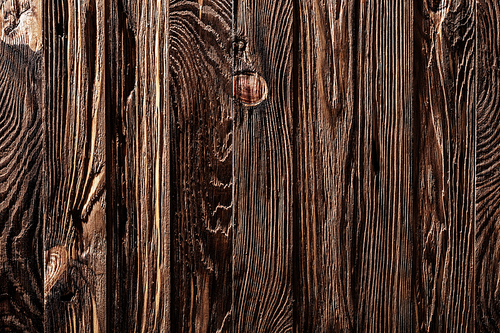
{"x":140,"y":181}
{"x":202,"y":147}
{"x":444,"y":163}
{"x":249,"y":166}
{"x":74,"y":234}
{"x":487,"y":241}
{"x":21,"y":189}
{"x":263,"y":222}
{"x":354,"y":174}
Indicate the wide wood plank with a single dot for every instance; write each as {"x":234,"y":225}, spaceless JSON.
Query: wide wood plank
{"x":202,"y":142}
{"x":262,"y":170}
{"x":354,"y":166}
{"x":75,"y":242}
{"x":444,"y":163}
{"x":487,"y":236}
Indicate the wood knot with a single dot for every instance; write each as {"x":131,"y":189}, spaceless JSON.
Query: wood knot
{"x":56,"y":262}
{"x":249,"y":88}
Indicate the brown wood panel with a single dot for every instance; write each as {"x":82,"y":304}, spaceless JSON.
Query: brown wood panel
{"x":444,"y":163}
{"x":202,"y":147}
{"x":262,"y":170}
{"x":328,"y":210}
{"x":487,"y":241}
{"x":75,"y":242}
{"x":354,"y":177}
{"x":21,"y":172}
{"x":140,"y":186}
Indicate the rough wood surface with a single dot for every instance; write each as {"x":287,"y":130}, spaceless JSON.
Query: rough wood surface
{"x":74,"y":118}
{"x":444,"y":162}
{"x":354,"y":173}
{"x":249,"y":166}
{"x":21,"y":190}
{"x":262,"y":170}
{"x":201,"y":142}
{"x":140,"y":182}
{"x":487,"y":241}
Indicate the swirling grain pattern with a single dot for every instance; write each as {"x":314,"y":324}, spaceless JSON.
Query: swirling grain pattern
{"x":487,"y":241}
{"x":21,"y":186}
{"x":202,"y":143}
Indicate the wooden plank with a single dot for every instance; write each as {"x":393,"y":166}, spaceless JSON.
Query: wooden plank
{"x":327,"y":208}
{"x":444,"y":163}
{"x":75,"y":241}
{"x":201,"y":141}
{"x":140,"y":186}
{"x":354,"y":175}
{"x":262,"y":169}
{"x":487,"y":241}
{"x":21,"y":169}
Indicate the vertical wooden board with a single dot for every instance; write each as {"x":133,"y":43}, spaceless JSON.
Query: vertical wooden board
{"x":354,"y":167}
{"x":262,"y":170}
{"x":382,"y":192}
{"x":487,"y":241}
{"x":444,"y":164}
{"x":202,"y":139}
{"x":140,"y":126}
{"x":74,"y":97}
{"x":21,"y":168}
{"x":327,"y":208}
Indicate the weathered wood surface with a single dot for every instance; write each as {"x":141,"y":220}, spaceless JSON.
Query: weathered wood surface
{"x":444,"y":163}
{"x":75,"y":239}
{"x":242,"y":166}
{"x":487,"y":241}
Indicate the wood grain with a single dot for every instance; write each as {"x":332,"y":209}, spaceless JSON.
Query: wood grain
{"x":262,"y":170}
{"x":140,"y":188}
{"x":487,"y":242}
{"x":444,"y":160}
{"x":328,"y":210}
{"x":202,"y":147}
{"x":354,"y":175}
{"x":74,"y":118}
{"x":21,"y":190}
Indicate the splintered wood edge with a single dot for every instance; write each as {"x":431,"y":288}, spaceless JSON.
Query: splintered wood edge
{"x":249,"y":88}
{"x":56,"y":263}
{"x":21,"y":23}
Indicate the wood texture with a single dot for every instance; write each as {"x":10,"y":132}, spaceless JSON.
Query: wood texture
{"x":354,"y":173}
{"x":249,"y":166}
{"x":201,"y":142}
{"x":75,"y":217}
{"x":487,"y":242}
{"x":21,"y":190}
{"x":444,"y":157}
{"x":141,"y":187}
{"x":262,"y":248}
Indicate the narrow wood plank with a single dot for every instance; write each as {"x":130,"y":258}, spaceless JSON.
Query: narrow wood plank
{"x":444,"y":163}
{"x":327,"y":149}
{"x":139,"y":151}
{"x":202,"y":139}
{"x":21,"y":168}
{"x":262,"y":170}
{"x":75,"y":241}
{"x":487,"y":241}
